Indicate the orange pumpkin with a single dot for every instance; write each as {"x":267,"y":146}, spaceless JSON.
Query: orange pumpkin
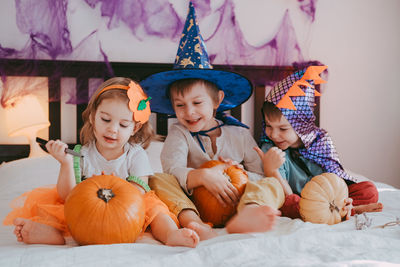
{"x":323,"y":198}
{"x":104,"y":209}
{"x":210,"y":209}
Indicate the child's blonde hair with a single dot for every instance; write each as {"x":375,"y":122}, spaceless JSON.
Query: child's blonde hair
{"x":143,"y":137}
{"x":181,"y":87}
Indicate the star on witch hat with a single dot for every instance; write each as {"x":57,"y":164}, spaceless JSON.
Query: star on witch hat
{"x":192,"y":62}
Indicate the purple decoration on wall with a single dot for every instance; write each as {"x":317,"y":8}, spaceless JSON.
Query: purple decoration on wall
{"x":46,"y":23}
{"x":15,"y":89}
{"x":202,"y":8}
{"x":227,"y":44}
{"x":308,"y":7}
{"x":7,"y":52}
{"x":157,"y":17}
{"x":50,"y":34}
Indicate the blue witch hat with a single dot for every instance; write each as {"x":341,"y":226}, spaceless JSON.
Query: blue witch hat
{"x":192,"y":62}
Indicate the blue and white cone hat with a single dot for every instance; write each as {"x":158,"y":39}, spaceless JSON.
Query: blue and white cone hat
{"x":192,"y":62}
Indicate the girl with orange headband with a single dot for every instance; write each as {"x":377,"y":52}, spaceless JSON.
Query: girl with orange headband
{"x":114,"y":135}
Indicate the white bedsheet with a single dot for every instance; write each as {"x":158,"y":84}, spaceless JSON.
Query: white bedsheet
{"x":291,"y":243}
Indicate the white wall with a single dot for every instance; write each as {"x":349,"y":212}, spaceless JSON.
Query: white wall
{"x":359,"y":40}
{"x":360,"y":43}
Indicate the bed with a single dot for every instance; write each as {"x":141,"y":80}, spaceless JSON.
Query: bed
{"x":290,"y":243}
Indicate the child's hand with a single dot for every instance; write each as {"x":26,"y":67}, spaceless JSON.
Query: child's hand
{"x":272,"y":159}
{"x":219,"y":185}
{"x":231,"y":162}
{"x":57,"y":150}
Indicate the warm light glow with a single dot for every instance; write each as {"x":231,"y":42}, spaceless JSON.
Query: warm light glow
{"x":26,"y":117}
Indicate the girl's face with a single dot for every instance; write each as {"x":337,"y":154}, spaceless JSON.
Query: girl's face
{"x":195,"y":109}
{"x":113,"y":126}
{"x":282,"y":133}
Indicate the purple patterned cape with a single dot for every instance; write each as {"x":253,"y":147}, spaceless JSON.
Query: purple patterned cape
{"x":318,"y":145}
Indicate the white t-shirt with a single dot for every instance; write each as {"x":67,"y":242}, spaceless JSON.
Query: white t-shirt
{"x":182,"y":153}
{"x":133,"y":161}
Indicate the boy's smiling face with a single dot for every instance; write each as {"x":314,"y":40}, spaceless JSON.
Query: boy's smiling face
{"x":282,"y":133}
{"x":194,"y":109}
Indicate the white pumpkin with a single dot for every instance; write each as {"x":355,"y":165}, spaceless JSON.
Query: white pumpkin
{"x":323,"y":199}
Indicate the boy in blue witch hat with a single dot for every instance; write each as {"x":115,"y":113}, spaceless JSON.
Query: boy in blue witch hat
{"x":197,"y":95}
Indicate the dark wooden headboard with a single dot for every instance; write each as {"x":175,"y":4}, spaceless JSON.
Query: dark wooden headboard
{"x":84,"y":70}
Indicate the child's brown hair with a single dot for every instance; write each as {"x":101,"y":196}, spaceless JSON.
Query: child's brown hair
{"x":271,"y":111}
{"x":145,"y":134}
{"x":180,"y":87}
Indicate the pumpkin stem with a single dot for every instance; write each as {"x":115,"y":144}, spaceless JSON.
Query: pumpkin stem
{"x":105,"y":194}
{"x":332,"y":206}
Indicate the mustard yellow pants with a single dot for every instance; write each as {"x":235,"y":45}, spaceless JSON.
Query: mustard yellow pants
{"x":266,"y":191}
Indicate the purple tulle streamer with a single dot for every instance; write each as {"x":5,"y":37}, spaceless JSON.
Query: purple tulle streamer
{"x":45,"y":23}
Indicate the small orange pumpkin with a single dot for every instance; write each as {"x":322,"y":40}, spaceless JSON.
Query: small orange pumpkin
{"x":104,"y":209}
{"x":210,"y":209}
{"x":323,"y":198}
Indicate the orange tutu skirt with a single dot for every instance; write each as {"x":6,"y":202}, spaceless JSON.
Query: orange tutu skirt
{"x":43,"y":205}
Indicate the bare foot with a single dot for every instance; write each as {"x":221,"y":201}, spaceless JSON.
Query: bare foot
{"x":253,"y":218}
{"x":182,"y":237}
{"x":203,"y":230}
{"x":373,"y":207}
{"x":31,"y":232}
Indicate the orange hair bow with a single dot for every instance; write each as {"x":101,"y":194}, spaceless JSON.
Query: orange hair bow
{"x":138,"y":100}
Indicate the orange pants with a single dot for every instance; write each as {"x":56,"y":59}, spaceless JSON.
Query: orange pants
{"x":362,"y":193}
{"x":266,"y":191}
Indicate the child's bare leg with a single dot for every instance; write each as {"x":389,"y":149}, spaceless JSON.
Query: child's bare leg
{"x":188,"y":218}
{"x":31,"y":232}
{"x":253,"y":218}
{"x":164,"y":229}
{"x":372,"y":207}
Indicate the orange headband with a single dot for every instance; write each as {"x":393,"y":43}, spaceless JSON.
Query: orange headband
{"x":137,"y":100}
{"x":110,"y":87}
